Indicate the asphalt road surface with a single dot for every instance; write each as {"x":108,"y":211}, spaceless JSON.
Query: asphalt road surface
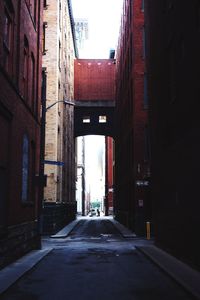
{"x":95,"y":262}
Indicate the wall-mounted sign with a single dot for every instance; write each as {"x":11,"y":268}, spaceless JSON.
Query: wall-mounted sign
{"x":142,"y":183}
{"x":140,"y":203}
{"x":53,"y":162}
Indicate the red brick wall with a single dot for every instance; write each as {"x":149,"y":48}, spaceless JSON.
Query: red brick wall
{"x":131,"y":116}
{"x":109,"y":160}
{"x":94,"y":79}
{"x":22,"y":113}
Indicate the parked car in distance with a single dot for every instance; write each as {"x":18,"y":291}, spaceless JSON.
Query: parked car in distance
{"x":92,"y":213}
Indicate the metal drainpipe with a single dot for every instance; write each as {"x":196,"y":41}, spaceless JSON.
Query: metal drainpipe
{"x":42,"y":152}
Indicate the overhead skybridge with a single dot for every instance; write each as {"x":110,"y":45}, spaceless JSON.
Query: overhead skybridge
{"x":94,"y":93}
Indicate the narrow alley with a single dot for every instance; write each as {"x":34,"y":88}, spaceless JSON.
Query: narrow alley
{"x":99,"y":149}
{"x":95,"y":261}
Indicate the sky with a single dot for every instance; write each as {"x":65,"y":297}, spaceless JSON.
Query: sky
{"x":104,"y":20}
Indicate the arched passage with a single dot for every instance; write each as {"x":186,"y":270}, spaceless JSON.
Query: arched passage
{"x":95,"y":174}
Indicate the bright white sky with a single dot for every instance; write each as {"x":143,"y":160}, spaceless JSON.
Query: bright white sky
{"x":104,"y":20}
{"x":94,"y":164}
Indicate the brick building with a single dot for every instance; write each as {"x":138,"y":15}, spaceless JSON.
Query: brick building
{"x":109,"y":175}
{"x":20,"y":84}
{"x":82,"y":32}
{"x":132,"y":204}
{"x":59,"y":51}
{"x":173,"y":72}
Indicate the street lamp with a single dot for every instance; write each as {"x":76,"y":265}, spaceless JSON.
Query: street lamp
{"x":63,"y":101}
{"x":42,"y":147}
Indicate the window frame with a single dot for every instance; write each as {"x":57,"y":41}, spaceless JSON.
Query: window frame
{"x":86,"y":120}
{"x":44,"y":50}
{"x":32,"y":81}
{"x":8,"y":38}
{"x":26,"y":68}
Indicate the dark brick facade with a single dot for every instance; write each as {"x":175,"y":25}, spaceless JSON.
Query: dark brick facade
{"x":132,"y":204}
{"x":57,"y":215}
{"x":20,"y":80}
{"x":174,"y":92}
{"x":18,"y":240}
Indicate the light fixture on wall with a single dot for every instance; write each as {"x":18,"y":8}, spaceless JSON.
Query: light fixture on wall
{"x":63,"y":101}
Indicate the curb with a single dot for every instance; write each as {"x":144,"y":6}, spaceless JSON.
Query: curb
{"x":63,"y":233}
{"x":10,"y":274}
{"x":182,"y":274}
{"x":125,"y":232}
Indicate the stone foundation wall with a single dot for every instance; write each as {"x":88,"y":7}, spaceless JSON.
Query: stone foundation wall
{"x":17,"y":241}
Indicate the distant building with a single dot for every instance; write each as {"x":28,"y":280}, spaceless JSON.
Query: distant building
{"x":80,"y":177}
{"x":20,"y":101}
{"x":132,"y":168}
{"x":81,"y":31}
{"x":59,"y":51}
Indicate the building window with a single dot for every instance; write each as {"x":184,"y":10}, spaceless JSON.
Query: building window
{"x":144,"y":42}
{"x":32,"y":81}
{"x":102,"y":119}
{"x":26,"y":68}
{"x":60,"y":9}
{"x":8,"y":30}
{"x":33,"y":164}
{"x":59,"y":56}
{"x":45,"y":4}
{"x":33,"y":9}
{"x":142,"y":5}
{"x":25,"y":168}
{"x":130,"y":14}
{"x":44,"y":38}
{"x":145,"y":91}
{"x":86,"y":119}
